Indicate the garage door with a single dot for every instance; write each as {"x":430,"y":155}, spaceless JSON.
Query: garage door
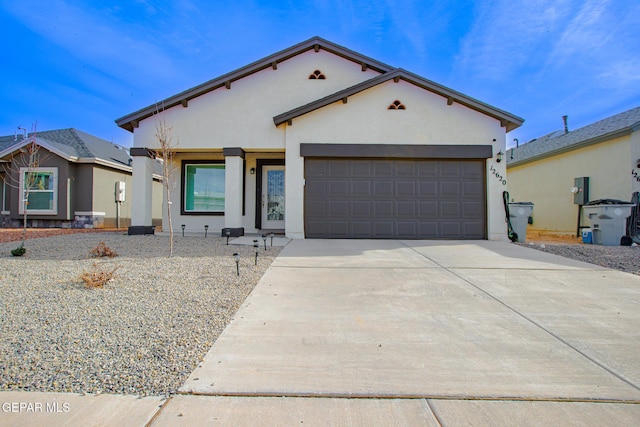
{"x":395,"y":198}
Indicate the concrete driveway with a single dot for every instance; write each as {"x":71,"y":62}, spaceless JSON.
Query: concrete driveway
{"x":366,"y":332}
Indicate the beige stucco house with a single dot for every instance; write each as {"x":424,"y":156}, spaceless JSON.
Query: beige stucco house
{"x":544,"y":170}
{"x":318,"y":141}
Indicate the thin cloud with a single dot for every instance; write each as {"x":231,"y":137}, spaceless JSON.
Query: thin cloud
{"x":103,"y":44}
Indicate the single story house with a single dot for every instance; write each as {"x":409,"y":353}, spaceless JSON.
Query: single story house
{"x":81,"y":181}
{"x":546,"y":169}
{"x":319,"y":141}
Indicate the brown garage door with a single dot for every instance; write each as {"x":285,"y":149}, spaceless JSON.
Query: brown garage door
{"x":395,"y":198}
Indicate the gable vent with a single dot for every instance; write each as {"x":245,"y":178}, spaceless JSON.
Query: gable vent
{"x":317,"y":75}
{"x":396,"y":105}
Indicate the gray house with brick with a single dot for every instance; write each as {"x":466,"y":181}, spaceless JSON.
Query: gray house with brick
{"x":81,"y":181}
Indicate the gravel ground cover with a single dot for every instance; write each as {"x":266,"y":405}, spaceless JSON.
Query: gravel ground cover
{"x":143,"y":333}
{"x":623,"y":258}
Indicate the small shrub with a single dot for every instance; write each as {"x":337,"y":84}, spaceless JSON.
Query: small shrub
{"x":19,"y":251}
{"x":102,"y":250}
{"x":97,"y":277}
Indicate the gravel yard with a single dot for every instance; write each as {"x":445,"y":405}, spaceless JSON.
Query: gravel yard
{"x":623,"y":258}
{"x":143,"y":333}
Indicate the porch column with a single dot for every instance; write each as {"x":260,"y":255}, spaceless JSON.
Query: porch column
{"x":141,"y":191}
{"x":233,"y":194}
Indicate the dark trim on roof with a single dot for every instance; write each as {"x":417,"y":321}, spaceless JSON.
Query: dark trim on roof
{"x":397,"y":151}
{"x":507,"y":120}
{"x":141,"y":152}
{"x":130,"y":121}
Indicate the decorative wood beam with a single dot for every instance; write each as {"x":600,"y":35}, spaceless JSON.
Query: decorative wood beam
{"x":503,"y":123}
{"x":227,"y":84}
{"x":135,"y":123}
{"x":344,"y":100}
{"x":364,"y":66}
{"x":274,"y":65}
{"x":396,"y":79}
{"x":185,"y":103}
{"x":289,"y":122}
{"x":316,"y":48}
{"x":449,"y":100}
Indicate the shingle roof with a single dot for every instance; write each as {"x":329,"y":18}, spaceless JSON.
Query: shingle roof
{"x":74,"y":144}
{"x":560,"y":142}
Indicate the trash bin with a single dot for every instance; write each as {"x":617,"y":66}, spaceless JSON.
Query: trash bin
{"x":519,"y":213}
{"x":608,"y":219}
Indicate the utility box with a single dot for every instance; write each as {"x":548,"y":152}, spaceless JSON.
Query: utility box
{"x":608,"y":220}
{"x":519,"y":213}
{"x":120,"y":191}
{"x":580,"y":190}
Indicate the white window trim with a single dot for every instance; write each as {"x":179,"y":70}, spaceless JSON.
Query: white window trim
{"x":53,"y":211}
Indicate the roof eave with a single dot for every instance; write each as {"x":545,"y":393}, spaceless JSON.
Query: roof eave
{"x":509,"y":121}
{"x":587,"y":142}
{"x":129,"y":122}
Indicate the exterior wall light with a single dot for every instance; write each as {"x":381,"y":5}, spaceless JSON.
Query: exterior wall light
{"x":499,"y":156}
{"x":252,"y":171}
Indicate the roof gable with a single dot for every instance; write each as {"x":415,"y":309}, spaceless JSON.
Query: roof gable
{"x":130,"y":121}
{"x":507,"y":120}
{"x":560,"y":142}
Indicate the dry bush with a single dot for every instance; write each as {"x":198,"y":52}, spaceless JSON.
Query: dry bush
{"x":102,"y":250}
{"x":98,"y":276}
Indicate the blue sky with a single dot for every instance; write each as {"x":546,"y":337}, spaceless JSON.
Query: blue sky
{"x":82,"y":64}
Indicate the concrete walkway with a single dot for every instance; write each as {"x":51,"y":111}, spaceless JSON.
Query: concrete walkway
{"x":348,"y":332}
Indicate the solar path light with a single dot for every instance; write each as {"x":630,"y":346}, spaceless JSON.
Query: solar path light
{"x":255,"y":245}
{"x":236,"y":257}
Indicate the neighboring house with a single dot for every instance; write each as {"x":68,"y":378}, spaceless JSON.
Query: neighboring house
{"x":78,"y":176}
{"x":544,"y":170}
{"x":318,"y":141}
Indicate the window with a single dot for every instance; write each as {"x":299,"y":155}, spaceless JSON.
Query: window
{"x":203,"y":188}
{"x":40,"y":190}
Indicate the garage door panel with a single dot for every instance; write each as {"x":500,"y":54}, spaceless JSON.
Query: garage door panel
{"x":361,"y":189}
{"x":361,"y":229}
{"x":450,"y":189}
{"x":451,"y":210}
{"x":406,"y":209}
{"x":406,"y":189}
{"x":339,"y":169}
{"x":428,"y":209}
{"x":406,"y":169}
{"x":339,"y":209}
{"x":450,"y":169}
{"x":427,"y":189}
{"x":361,"y":169}
{"x":392,"y":198}
{"x":451,"y":229}
{"x":339,"y":189}
{"x":382,"y":169}
{"x":383,"y":188}
{"x":407,"y":229}
{"x":360,"y":209}
{"x":383,"y":230}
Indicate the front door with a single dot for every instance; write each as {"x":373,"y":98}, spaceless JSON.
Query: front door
{"x":273,"y":197}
